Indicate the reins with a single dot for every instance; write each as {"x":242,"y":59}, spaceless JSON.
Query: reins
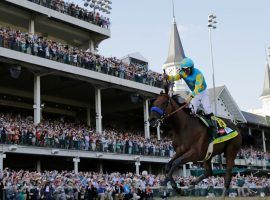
{"x":177,"y":110}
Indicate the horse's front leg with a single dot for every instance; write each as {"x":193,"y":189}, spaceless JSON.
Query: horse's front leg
{"x":208,"y":172}
{"x":186,"y":157}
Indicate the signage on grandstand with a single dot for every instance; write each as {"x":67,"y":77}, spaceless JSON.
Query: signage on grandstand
{"x":267,"y":119}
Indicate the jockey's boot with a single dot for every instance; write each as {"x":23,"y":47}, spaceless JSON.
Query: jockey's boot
{"x":213,"y":125}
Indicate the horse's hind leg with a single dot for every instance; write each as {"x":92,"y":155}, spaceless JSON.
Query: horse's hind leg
{"x":231,"y":153}
{"x":208,"y":172}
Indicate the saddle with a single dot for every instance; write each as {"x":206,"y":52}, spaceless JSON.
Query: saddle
{"x":214,"y":124}
{"x":221,"y":127}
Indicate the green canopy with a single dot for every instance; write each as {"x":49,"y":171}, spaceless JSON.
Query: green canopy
{"x":198,"y":172}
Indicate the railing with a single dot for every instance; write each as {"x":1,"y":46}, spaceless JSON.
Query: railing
{"x":246,"y":161}
{"x":69,"y":59}
{"x":72,"y":10}
{"x":69,"y":144}
{"x":209,"y":192}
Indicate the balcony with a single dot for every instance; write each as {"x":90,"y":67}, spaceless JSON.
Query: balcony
{"x":12,"y":12}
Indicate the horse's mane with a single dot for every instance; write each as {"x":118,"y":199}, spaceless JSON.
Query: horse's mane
{"x":180,"y":101}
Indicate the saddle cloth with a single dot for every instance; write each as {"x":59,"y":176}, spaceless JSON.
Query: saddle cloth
{"x":224,"y":133}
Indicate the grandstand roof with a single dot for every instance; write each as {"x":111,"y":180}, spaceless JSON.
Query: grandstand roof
{"x":218,"y":91}
{"x":223,"y":93}
{"x":255,"y":119}
{"x":137,"y":56}
{"x":266,"y":86}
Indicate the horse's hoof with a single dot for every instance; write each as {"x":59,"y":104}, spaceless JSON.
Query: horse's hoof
{"x":179,"y":191}
{"x":191,"y":187}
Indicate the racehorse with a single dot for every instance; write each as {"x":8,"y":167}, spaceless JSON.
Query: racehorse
{"x":191,"y":140}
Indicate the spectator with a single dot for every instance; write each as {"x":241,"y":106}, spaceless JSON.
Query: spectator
{"x":75,"y":11}
{"x":43,"y":47}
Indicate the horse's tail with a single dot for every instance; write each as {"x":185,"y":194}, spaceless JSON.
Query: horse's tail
{"x":248,"y":140}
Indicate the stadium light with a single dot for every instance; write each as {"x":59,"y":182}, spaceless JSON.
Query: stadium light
{"x":12,"y":148}
{"x":101,"y":5}
{"x":55,"y":151}
{"x":137,"y":158}
{"x":99,"y":155}
{"x":135,"y":97}
{"x":15,"y":71}
{"x":212,"y":25}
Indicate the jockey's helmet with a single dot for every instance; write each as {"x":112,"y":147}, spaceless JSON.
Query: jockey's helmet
{"x":187,"y":63}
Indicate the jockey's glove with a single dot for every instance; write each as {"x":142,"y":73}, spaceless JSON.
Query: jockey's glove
{"x":188,"y":99}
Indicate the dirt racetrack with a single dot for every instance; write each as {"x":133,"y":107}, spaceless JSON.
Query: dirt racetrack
{"x":227,"y":198}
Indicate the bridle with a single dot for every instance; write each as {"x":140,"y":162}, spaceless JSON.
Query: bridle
{"x":162,"y":112}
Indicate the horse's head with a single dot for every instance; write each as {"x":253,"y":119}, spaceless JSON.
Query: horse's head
{"x":162,"y":106}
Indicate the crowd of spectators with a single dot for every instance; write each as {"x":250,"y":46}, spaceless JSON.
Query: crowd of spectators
{"x":43,"y":47}
{"x":251,"y":153}
{"x":110,"y":186}
{"x":60,"y":133}
{"x":66,"y":134}
{"x":241,"y":185}
{"x":75,"y":10}
{"x":64,"y":185}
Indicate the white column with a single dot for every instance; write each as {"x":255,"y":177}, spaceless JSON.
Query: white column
{"x":76,"y":164}
{"x":38,"y":166}
{"x":264,"y":144}
{"x":137,"y":164}
{"x":184,"y":170}
{"x":98,"y":110}
{"x":158,"y":131}
{"x":91,"y":45}
{"x":32,"y":25}
{"x":37,"y":100}
{"x":249,"y":131}
{"x":2,"y":157}
{"x":146,"y":116}
{"x":88,"y":116}
{"x":101,"y":167}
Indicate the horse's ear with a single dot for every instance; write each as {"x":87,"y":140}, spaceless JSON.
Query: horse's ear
{"x":166,"y":88}
{"x":166,"y":83}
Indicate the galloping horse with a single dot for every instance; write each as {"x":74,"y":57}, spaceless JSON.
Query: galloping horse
{"x":191,"y":140}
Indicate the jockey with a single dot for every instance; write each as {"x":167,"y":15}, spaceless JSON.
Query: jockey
{"x":196,"y":83}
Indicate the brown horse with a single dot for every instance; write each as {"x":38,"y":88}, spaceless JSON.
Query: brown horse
{"x":191,"y":140}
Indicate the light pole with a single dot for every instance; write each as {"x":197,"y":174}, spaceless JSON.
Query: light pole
{"x":102,"y":5}
{"x":212,"y":25}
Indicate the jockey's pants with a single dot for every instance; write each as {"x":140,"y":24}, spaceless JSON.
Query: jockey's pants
{"x":201,"y":99}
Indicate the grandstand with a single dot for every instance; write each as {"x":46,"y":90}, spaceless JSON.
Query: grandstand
{"x":46,"y":87}
{"x":63,"y":106}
